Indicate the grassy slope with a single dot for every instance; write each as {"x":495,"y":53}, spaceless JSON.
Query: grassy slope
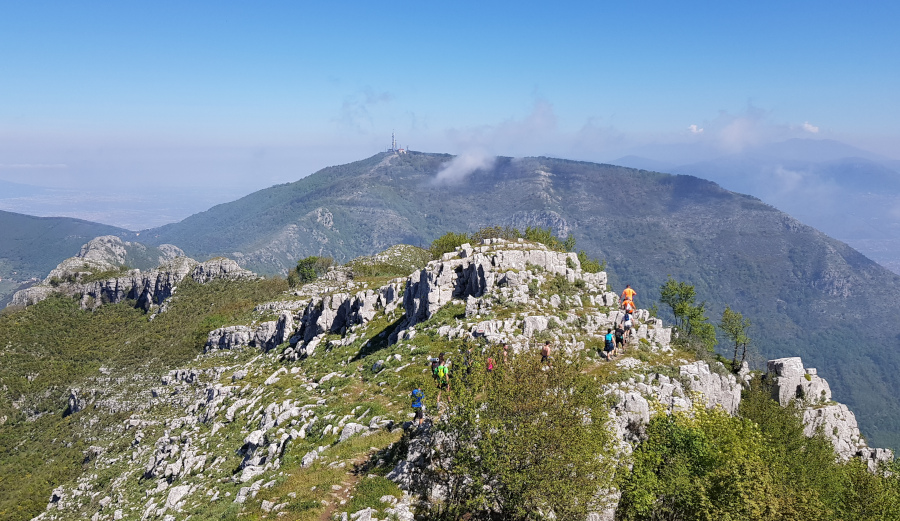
{"x":54,"y":346}
{"x":62,"y":346}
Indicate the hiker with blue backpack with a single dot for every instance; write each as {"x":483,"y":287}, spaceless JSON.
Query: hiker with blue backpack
{"x":418,"y":405}
{"x":610,"y":344}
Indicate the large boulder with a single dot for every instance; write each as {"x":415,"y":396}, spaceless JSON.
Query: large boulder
{"x":722,"y":390}
{"x":793,"y":382}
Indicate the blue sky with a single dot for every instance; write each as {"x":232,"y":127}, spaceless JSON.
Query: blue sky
{"x":127,"y":94}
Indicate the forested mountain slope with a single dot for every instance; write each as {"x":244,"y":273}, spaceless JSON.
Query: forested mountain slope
{"x":806,"y":294}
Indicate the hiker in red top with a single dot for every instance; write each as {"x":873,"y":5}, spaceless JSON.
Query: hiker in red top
{"x":628,"y":294}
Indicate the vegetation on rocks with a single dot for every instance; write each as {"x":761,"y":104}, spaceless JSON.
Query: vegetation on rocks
{"x":308,"y":270}
{"x":54,"y":346}
{"x":524,"y":439}
{"x":690,"y":317}
{"x":450,"y":241}
{"x":755,"y":466}
{"x":116,"y":416}
{"x":734,"y":325}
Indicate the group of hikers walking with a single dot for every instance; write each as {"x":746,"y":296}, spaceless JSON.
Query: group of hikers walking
{"x":614,"y":344}
{"x":616,"y":338}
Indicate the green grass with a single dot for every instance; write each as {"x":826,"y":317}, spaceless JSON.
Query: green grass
{"x":53,"y":346}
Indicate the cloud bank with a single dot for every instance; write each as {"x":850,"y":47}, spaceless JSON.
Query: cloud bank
{"x":462,"y":166}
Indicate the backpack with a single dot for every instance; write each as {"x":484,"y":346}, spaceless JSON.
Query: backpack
{"x":434,"y":367}
{"x":442,"y":371}
{"x":629,"y":307}
{"x":417,"y":396}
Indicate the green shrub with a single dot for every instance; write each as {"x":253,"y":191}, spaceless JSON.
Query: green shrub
{"x":311,"y":268}
{"x":590,"y":265}
{"x":447,"y":243}
{"x":524,"y":440}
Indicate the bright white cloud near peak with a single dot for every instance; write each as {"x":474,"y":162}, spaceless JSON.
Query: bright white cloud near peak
{"x":463,"y":166}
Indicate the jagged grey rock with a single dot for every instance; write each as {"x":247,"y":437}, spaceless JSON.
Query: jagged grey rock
{"x":149,"y":289}
{"x":792,"y":382}
{"x":723,"y":390}
{"x":220,"y":268}
{"x":352,"y":429}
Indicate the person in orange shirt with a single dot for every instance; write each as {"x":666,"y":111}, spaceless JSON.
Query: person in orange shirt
{"x":628,"y":294}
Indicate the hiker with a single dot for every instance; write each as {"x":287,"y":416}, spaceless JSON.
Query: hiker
{"x":628,"y":294}
{"x":626,"y":324}
{"x":610,"y":344}
{"x":418,"y":405}
{"x":628,"y":306}
{"x":443,"y":378}
{"x":620,"y":338}
{"x":545,"y":354}
{"x":435,"y":362}
{"x":505,"y":354}
{"x":490,"y":364}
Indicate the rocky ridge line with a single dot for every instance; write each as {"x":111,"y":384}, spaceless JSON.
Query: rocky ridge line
{"x":149,"y":289}
{"x":220,"y":432}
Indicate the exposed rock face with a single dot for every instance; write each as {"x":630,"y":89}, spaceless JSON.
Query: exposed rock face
{"x":229,"y":337}
{"x":108,"y":253}
{"x":335,"y":313}
{"x":476,"y":271}
{"x":265,"y":336}
{"x":149,"y":289}
{"x":220,"y":268}
{"x":791,"y":381}
{"x":631,"y":412}
{"x":31,"y":296}
{"x":719,"y":390}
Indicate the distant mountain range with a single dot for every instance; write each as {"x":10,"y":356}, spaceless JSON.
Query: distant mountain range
{"x":849,"y":193}
{"x":807,"y":294}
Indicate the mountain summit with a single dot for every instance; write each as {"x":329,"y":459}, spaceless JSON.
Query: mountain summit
{"x":806,"y":294}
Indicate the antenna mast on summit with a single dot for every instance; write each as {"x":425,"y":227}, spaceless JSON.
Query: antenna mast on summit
{"x":393,"y":142}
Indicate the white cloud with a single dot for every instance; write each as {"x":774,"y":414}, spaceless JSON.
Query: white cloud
{"x":463,"y":166}
{"x":694,"y":129}
{"x":810,"y":128}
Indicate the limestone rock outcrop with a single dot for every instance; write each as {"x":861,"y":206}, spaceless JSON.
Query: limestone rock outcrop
{"x":792,"y":382}
{"x":265,"y":335}
{"x":150,"y":289}
{"x":337,"y":313}
{"x":475,"y":271}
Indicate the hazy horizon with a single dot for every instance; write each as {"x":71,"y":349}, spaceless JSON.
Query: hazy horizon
{"x":138,"y":115}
